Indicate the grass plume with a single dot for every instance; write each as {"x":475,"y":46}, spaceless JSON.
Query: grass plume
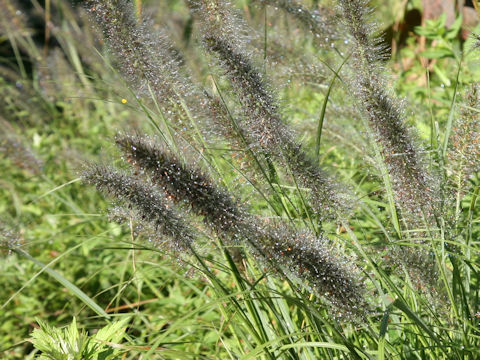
{"x":151,"y":205}
{"x":263,"y":124}
{"x":320,"y":22}
{"x":415,"y":188}
{"x":299,"y":254}
{"x":146,"y":57}
{"x":464,"y":154}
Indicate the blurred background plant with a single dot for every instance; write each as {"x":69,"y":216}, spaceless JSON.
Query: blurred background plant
{"x":68,"y":88}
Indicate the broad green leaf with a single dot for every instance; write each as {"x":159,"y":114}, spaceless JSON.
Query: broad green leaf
{"x":452,"y":33}
{"x":438,"y":53}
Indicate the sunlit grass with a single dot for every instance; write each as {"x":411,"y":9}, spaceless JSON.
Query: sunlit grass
{"x":64,"y":258}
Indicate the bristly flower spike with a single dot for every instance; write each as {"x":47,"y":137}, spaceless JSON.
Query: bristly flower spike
{"x":141,"y":196}
{"x":147,"y":58}
{"x":262,"y":124}
{"x":218,"y":208}
{"x":9,"y":239}
{"x":464,"y":152}
{"x":415,"y":188}
{"x":320,"y":22}
{"x":300,"y":255}
{"x":316,"y":264}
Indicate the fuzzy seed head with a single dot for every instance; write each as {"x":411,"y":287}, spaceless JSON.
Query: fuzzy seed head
{"x":15,"y":149}
{"x":320,"y":22}
{"x":317,"y":265}
{"x":146,"y":57}
{"x":180,"y":182}
{"x":415,"y":188}
{"x":141,"y":196}
{"x":9,"y":239}
{"x":264,"y":127}
{"x":302,"y":256}
{"x":464,"y":153}
{"x":420,"y":265}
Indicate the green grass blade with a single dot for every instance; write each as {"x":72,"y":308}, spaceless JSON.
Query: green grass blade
{"x":324,"y":108}
{"x":66,"y":283}
{"x":451,"y":114}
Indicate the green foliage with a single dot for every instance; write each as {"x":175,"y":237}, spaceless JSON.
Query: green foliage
{"x":63,"y":258}
{"x":436,"y":29}
{"x":71,"y":344}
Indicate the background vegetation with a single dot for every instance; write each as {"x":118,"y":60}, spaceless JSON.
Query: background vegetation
{"x":64,"y":263}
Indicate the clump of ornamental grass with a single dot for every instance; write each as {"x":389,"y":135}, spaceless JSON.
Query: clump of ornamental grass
{"x":164,"y":193}
{"x":416,"y":189}
{"x":259,"y":127}
{"x":301,"y":255}
{"x":262,"y":126}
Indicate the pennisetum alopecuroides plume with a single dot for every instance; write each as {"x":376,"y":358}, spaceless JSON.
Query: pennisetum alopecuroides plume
{"x":301,"y":255}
